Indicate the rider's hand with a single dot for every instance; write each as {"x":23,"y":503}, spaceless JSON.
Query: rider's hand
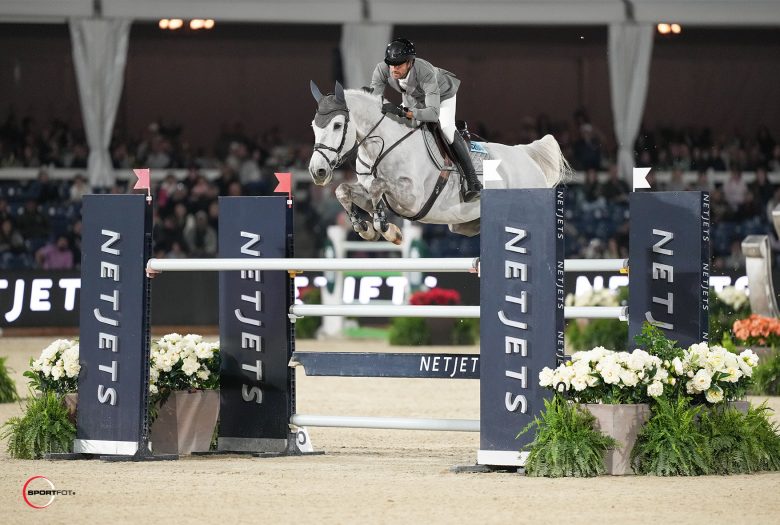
{"x":393,"y":109}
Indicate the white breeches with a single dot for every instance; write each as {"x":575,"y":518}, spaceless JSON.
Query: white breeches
{"x":447,"y":118}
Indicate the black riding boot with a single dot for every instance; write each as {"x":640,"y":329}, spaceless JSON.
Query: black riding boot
{"x":473,"y":186}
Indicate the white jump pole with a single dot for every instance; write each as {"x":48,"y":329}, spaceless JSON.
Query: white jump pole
{"x":384,"y":310}
{"x":595,"y":265}
{"x":391,"y":423}
{"x":389,"y":264}
{"x":391,"y":310}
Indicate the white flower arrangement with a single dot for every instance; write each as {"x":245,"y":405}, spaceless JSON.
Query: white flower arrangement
{"x":606,"y":376}
{"x":177,"y":363}
{"x":183,"y":363}
{"x":715,"y":372}
{"x":594,"y":297}
{"x":57,"y":368}
{"x":732,"y":297}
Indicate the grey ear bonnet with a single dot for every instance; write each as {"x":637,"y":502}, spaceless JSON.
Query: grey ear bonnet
{"x":328,"y":107}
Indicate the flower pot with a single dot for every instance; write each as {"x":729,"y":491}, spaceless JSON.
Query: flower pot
{"x":739,"y":406}
{"x":185,"y":422}
{"x":622,"y":423}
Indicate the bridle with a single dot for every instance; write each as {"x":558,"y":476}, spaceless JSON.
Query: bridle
{"x":339,"y":159}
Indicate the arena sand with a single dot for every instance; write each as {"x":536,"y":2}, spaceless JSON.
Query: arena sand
{"x":367,"y":476}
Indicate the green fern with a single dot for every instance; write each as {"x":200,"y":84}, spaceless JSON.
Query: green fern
{"x":766,"y":436}
{"x":671,"y":443}
{"x":566,"y":443}
{"x":43,"y":429}
{"x":735,"y":447}
{"x":7,"y":386}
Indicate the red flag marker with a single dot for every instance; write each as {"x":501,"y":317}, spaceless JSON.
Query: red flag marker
{"x":143,"y":182}
{"x":285,"y":186}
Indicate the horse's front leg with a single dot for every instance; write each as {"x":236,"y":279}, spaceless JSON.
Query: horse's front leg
{"x":353,"y":196}
{"x":389,"y":231}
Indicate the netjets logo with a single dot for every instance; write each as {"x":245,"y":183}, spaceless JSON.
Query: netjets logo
{"x":39,"y":492}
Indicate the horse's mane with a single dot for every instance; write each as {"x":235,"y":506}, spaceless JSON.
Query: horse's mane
{"x":369,"y":98}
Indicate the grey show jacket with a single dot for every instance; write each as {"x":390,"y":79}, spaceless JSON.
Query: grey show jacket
{"x":427,"y":86}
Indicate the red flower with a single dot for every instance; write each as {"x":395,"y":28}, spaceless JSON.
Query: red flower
{"x":438,"y":296}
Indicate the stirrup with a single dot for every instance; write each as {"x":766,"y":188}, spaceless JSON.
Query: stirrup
{"x":470,"y":195}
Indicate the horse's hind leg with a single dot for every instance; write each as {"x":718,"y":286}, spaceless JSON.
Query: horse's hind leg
{"x":352,"y":197}
{"x":469,"y":229}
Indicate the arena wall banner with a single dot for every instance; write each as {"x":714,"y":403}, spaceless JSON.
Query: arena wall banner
{"x":112,"y":347}
{"x":35,"y":298}
{"x":256,"y":342}
{"x":669,"y":259}
{"x":521,"y":282}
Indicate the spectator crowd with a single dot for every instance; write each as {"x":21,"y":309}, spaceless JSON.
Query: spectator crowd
{"x":40,"y":223}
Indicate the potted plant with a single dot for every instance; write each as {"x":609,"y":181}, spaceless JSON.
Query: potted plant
{"x":566,"y":442}
{"x":184,"y":395}
{"x":184,"y":382}
{"x":44,"y":428}
{"x":711,"y":374}
{"x":758,"y":332}
{"x":615,"y":387}
{"x":48,"y":423}
{"x":669,"y":407}
{"x":434,"y":330}
{"x":57,"y":370}
{"x":672,"y":443}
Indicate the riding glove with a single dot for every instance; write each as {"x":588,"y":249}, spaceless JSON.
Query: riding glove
{"x":391,"y":108}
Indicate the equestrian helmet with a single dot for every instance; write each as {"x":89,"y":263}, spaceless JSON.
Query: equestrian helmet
{"x":399,"y":51}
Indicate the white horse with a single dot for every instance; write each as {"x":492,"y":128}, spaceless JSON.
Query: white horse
{"x":395,"y":170}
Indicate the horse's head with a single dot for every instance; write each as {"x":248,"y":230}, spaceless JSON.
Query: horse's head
{"x":334,"y":137}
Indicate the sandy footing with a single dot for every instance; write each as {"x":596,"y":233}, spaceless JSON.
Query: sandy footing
{"x":366,"y":476}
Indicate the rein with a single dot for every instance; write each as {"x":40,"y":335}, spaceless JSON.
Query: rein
{"x":339,"y":159}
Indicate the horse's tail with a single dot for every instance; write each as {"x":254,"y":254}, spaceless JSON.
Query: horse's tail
{"x":548,"y":155}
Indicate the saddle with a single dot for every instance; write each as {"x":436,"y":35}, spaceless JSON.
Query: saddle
{"x":441,"y":155}
{"x":445,"y":161}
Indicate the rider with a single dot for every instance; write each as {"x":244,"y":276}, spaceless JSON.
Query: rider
{"x":430,"y":93}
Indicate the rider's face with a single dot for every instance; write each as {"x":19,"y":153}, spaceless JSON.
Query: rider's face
{"x":401,"y":71}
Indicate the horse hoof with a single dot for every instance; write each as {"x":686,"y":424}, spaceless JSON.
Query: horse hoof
{"x":370,"y":234}
{"x":393,"y":234}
